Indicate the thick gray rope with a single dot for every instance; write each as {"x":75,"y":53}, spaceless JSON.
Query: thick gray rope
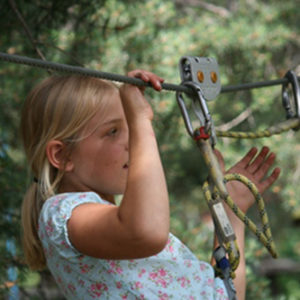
{"x":121,"y":78}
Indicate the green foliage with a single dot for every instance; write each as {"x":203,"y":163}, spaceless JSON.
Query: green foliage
{"x":252,"y":41}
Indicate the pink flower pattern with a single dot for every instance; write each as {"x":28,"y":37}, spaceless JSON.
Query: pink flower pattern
{"x":174,"y":273}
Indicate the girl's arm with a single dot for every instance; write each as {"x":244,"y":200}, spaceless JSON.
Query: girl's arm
{"x":139,"y":227}
{"x":145,"y":205}
{"x":256,"y":169}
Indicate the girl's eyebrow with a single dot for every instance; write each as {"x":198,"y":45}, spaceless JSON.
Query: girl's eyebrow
{"x":113,"y":121}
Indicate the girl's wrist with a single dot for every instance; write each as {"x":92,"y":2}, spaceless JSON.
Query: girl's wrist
{"x":140,"y":125}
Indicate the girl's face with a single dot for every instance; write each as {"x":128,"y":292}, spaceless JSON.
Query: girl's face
{"x":100,"y":161}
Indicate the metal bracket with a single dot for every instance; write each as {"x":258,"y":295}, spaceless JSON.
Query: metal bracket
{"x":222,"y":223}
{"x":204,"y":71}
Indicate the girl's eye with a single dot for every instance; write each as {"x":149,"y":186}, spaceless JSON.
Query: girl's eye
{"x":112,"y":132}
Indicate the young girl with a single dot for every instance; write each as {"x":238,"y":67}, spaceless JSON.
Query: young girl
{"x":87,"y":140}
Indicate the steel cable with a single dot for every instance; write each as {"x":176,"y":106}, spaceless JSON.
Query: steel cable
{"x":125,"y":79}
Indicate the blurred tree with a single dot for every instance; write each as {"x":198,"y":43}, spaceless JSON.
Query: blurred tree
{"x":252,"y":41}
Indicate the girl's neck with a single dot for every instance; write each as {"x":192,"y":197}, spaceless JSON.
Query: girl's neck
{"x":69,"y":188}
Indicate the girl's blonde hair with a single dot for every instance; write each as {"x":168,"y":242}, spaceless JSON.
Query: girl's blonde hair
{"x":57,"y":109}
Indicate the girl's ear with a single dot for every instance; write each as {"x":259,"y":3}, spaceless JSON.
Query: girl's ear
{"x":56,"y":153}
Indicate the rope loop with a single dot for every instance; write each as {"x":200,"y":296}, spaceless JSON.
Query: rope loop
{"x":264,"y":235}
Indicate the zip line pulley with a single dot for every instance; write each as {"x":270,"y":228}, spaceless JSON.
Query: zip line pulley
{"x":202,"y":76}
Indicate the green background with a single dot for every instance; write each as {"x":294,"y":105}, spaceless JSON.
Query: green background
{"x":252,"y":40}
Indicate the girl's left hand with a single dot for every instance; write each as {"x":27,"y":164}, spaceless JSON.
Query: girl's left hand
{"x":146,"y":76}
{"x":134,"y":104}
{"x":255,"y":167}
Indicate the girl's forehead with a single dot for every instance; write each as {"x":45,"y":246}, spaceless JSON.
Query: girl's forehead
{"x":112,"y":106}
{"x":110,"y":110}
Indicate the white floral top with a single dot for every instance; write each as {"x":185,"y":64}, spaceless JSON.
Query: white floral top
{"x":174,"y":273}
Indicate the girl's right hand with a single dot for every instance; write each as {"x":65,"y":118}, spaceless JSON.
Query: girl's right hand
{"x":134,"y":103}
{"x":254,"y":166}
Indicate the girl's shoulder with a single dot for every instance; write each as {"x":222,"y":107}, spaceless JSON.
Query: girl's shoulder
{"x":74,"y":198}
{"x":64,"y":203}
{"x":53,"y":218}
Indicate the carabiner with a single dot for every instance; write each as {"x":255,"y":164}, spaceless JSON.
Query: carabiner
{"x":201,"y":111}
{"x":292,"y":110}
{"x":224,"y":265}
{"x":185,"y":114}
{"x":199,"y":105}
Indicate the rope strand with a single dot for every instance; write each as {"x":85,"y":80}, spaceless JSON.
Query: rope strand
{"x":276,"y":129}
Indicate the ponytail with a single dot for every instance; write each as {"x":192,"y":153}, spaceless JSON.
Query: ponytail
{"x":32,"y":246}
